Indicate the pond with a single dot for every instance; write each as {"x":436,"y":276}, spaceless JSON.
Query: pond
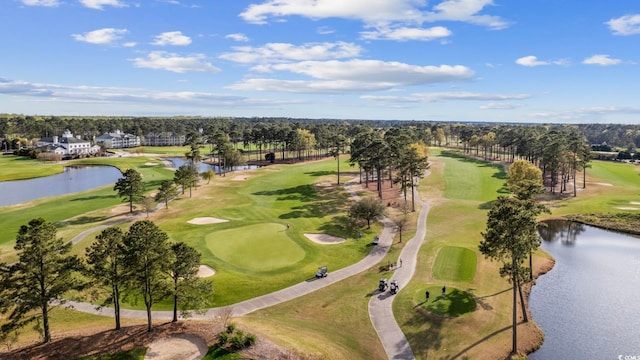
{"x":202,"y":167}
{"x":73,"y":179}
{"x":587,"y":305}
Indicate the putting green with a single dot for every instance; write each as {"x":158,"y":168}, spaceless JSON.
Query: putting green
{"x":260,"y":247}
{"x":455,"y":263}
{"x":454,"y":303}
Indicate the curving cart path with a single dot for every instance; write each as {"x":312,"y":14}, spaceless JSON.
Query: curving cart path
{"x":245,"y":307}
{"x":381,"y":304}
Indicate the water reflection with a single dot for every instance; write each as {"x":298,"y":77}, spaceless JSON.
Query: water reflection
{"x":560,"y":230}
{"x":586,"y":305}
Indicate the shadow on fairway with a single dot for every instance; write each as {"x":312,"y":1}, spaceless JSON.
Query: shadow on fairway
{"x":320,"y":173}
{"x":94,"y":197}
{"x":303,"y":193}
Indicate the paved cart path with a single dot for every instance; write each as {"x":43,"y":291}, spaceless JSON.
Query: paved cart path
{"x":380,"y":306}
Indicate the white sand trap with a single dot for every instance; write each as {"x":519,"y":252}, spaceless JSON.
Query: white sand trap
{"x":182,"y":346}
{"x":206,"y":271}
{"x":627,"y":208}
{"x":206,"y":220}
{"x":151,"y":164}
{"x":324,"y":239}
{"x":634,"y":202}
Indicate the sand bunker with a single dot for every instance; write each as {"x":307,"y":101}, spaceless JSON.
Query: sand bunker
{"x":206,"y":220}
{"x":634,"y":202}
{"x":627,"y":208}
{"x":182,"y":346}
{"x":324,"y":239}
{"x":206,"y":271}
{"x":240,"y":178}
{"x":151,"y":164}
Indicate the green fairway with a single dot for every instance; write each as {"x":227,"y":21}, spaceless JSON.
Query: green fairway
{"x":22,"y":167}
{"x":454,"y":263}
{"x":260,"y":247}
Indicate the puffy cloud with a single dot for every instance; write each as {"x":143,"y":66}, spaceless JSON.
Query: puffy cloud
{"x":46,"y":3}
{"x":354,"y":75}
{"x":237,"y":37}
{"x":161,"y":60}
{"x":532,"y":61}
{"x":602,"y":60}
{"x":365,"y":10}
{"x":99,"y":4}
{"x":625,"y":25}
{"x":101,"y":36}
{"x":466,"y":11}
{"x":375,"y":11}
{"x":286,"y":52}
{"x":172,"y":38}
{"x":407,"y":33}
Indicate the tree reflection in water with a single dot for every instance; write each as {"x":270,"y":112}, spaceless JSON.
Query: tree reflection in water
{"x":560,"y":230}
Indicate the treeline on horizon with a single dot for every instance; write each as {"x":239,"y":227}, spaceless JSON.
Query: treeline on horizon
{"x":25,"y":127}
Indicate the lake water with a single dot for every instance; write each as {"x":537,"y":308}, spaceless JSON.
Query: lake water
{"x":588,"y":305}
{"x":73,"y":179}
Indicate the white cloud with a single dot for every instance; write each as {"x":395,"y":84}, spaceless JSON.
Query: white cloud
{"x":375,"y":11}
{"x":466,"y":11}
{"x":237,"y":37}
{"x":532,"y":61}
{"x":99,"y":4}
{"x":287,"y":52}
{"x":596,"y":113}
{"x":172,"y":38}
{"x":443,"y":96}
{"x":500,"y":106}
{"x":47,"y":3}
{"x":101,"y":36}
{"x":354,"y":75}
{"x":369,"y":11}
{"x":407,"y":33}
{"x":601,"y":59}
{"x":161,"y":60}
{"x":625,"y":25}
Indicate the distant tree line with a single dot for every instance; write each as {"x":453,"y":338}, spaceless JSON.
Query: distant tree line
{"x":264,"y":130}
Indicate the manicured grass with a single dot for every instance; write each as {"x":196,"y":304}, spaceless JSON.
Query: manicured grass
{"x":454,"y":263}
{"x":21,"y":167}
{"x":260,"y":247}
{"x":452,"y":304}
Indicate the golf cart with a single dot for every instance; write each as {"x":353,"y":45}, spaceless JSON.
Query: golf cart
{"x":322,"y":272}
{"x":394,"y":287}
{"x":383,"y":284}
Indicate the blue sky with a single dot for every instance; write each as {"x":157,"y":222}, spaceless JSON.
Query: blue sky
{"x":560,"y":61}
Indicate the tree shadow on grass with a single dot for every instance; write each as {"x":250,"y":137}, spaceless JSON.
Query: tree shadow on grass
{"x":304,"y":193}
{"x":428,"y":336}
{"x":320,"y":173}
{"x":94,"y":197}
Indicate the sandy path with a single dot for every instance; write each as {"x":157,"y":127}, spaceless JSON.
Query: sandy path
{"x":181,"y":346}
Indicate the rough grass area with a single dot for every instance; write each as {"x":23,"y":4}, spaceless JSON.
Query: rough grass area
{"x":134,"y":354}
{"x":452,"y":304}
{"x":625,"y":222}
{"x":260,"y":247}
{"x":454,"y":263}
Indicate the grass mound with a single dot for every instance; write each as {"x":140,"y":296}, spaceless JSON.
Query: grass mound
{"x":455,"y":263}
{"x":259,"y":248}
{"x":454,"y":303}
